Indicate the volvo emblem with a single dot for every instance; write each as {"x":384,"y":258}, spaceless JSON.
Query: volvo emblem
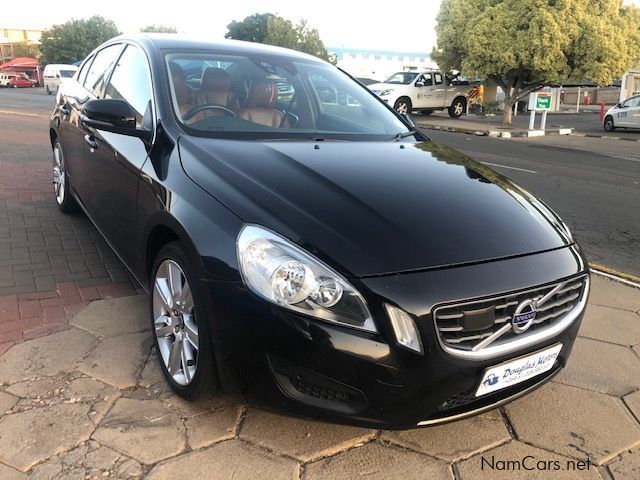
{"x":524,"y":316}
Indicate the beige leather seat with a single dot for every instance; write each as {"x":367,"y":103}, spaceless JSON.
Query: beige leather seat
{"x":184,"y":94}
{"x":216,"y":90}
{"x":260,"y":106}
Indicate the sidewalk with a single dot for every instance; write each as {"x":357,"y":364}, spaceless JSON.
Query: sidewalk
{"x":90,"y":402}
{"x":487,"y":125}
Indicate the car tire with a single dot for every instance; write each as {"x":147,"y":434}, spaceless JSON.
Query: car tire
{"x":608,"y":124}
{"x":15,"y":86}
{"x":403,"y":106}
{"x":180,"y":323}
{"x":47,"y":89}
{"x":61,"y":185}
{"x":458,"y":107}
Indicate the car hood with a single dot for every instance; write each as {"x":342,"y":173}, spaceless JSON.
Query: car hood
{"x":385,"y":86}
{"x":370,"y":208}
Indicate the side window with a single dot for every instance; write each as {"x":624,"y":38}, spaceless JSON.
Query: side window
{"x":82,"y":73}
{"x":427,"y":80}
{"x":131,"y":81}
{"x":100,"y":67}
{"x":632,"y":102}
{"x":438,"y":78}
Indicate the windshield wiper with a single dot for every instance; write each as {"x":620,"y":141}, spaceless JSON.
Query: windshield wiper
{"x":402,"y":135}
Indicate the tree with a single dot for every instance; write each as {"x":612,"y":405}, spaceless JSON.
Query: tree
{"x":521,"y":44}
{"x":274,"y":30}
{"x":159,"y":29}
{"x":252,"y":29}
{"x":74,"y":40}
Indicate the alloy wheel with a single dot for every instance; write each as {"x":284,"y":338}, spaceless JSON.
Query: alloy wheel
{"x":59,"y":177}
{"x":175,"y":323}
{"x":402,"y":108}
{"x":458,"y":109}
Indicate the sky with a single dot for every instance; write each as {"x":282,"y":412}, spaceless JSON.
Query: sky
{"x":345,"y":23}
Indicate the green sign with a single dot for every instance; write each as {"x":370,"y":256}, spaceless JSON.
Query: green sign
{"x":543,"y":102}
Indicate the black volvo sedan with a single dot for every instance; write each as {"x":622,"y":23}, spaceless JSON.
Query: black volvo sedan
{"x":303,"y":247}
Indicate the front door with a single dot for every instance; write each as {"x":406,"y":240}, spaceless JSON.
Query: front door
{"x":423,"y":86}
{"x":114,"y":160}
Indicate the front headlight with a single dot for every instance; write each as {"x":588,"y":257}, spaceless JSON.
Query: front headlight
{"x":284,"y":274}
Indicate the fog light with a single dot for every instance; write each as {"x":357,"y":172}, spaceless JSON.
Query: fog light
{"x":404,"y":329}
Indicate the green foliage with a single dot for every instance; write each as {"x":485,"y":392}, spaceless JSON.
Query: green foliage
{"x":159,"y":29}
{"x":519,"y":44}
{"x":252,"y":29}
{"x":75,"y":39}
{"x":274,"y":30}
{"x":25,"y":49}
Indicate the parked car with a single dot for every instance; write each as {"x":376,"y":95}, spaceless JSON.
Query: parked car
{"x":22,"y":81}
{"x":425,"y":92}
{"x":313,"y":256}
{"x":625,"y":114}
{"x":55,"y":74}
{"x":5,"y":79}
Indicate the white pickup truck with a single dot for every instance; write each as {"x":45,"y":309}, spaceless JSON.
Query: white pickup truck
{"x":424,"y":91}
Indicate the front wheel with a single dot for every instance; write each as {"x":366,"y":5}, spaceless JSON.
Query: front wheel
{"x":61,"y":185}
{"x":608,"y":125}
{"x":403,"y":106}
{"x":180,"y":322}
{"x":457,"y":108}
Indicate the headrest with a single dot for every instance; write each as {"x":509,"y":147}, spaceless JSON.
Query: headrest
{"x":180,"y":85}
{"x":263,"y":94}
{"x":216,"y":79}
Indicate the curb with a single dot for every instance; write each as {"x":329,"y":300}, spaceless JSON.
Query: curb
{"x":497,"y":133}
{"x":591,"y":135}
{"x":616,"y":275}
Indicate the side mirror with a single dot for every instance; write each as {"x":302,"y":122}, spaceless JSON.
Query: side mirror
{"x":419,"y":83}
{"x":112,"y":115}
{"x":620,"y":105}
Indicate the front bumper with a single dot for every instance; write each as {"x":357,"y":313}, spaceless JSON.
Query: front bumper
{"x":288,"y":362}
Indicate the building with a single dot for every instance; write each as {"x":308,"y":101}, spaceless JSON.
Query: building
{"x":630,"y":83}
{"x":9,"y":37}
{"x":379,"y":64}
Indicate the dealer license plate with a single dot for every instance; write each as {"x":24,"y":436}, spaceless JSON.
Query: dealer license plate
{"x":515,"y":371}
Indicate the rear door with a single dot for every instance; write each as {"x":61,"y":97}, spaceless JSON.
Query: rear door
{"x":114,"y":160}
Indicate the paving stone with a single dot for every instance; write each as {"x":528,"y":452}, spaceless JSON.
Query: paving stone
{"x":118,"y":361}
{"x":114,"y":317}
{"x":633,"y":402}
{"x":611,"y":325}
{"x":29,"y":437}
{"x":152,"y":372}
{"x":226,"y":460}
{"x":603,"y":367}
{"x":191,"y":408}
{"x":508,"y":462}
{"x":145,"y":430}
{"x":216,"y":425}
{"x":89,"y":460}
{"x":44,"y":356}
{"x":8,"y":473}
{"x":7,"y":401}
{"x":627,"y":467}
{"x":376,"y":462}
{"x":454,"y":441}
{"x":302,"y":439}
{"x":574,"y":422}
{"x":613,"y":294}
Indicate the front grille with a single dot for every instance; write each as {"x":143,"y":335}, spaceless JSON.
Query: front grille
{"x":463,"y":326}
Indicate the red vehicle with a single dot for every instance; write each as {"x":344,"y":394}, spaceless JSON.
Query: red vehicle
{"x":21,"y":81}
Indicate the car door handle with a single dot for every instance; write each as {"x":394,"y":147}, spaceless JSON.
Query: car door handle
{"x":91,"y":141}
{"x":64,"y":110}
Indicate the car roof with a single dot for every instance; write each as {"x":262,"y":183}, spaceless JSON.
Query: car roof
{"x":171,"y":41}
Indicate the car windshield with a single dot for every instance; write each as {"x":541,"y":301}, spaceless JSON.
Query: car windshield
{"x":402,"y":78}
{"x":258,"y":96}
{"x":67,"y":73}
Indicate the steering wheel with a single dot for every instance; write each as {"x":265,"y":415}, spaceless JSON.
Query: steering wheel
{"x":201,"y":108}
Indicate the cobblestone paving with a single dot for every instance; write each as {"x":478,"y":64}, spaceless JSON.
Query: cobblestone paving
{"x":91,"y":402}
